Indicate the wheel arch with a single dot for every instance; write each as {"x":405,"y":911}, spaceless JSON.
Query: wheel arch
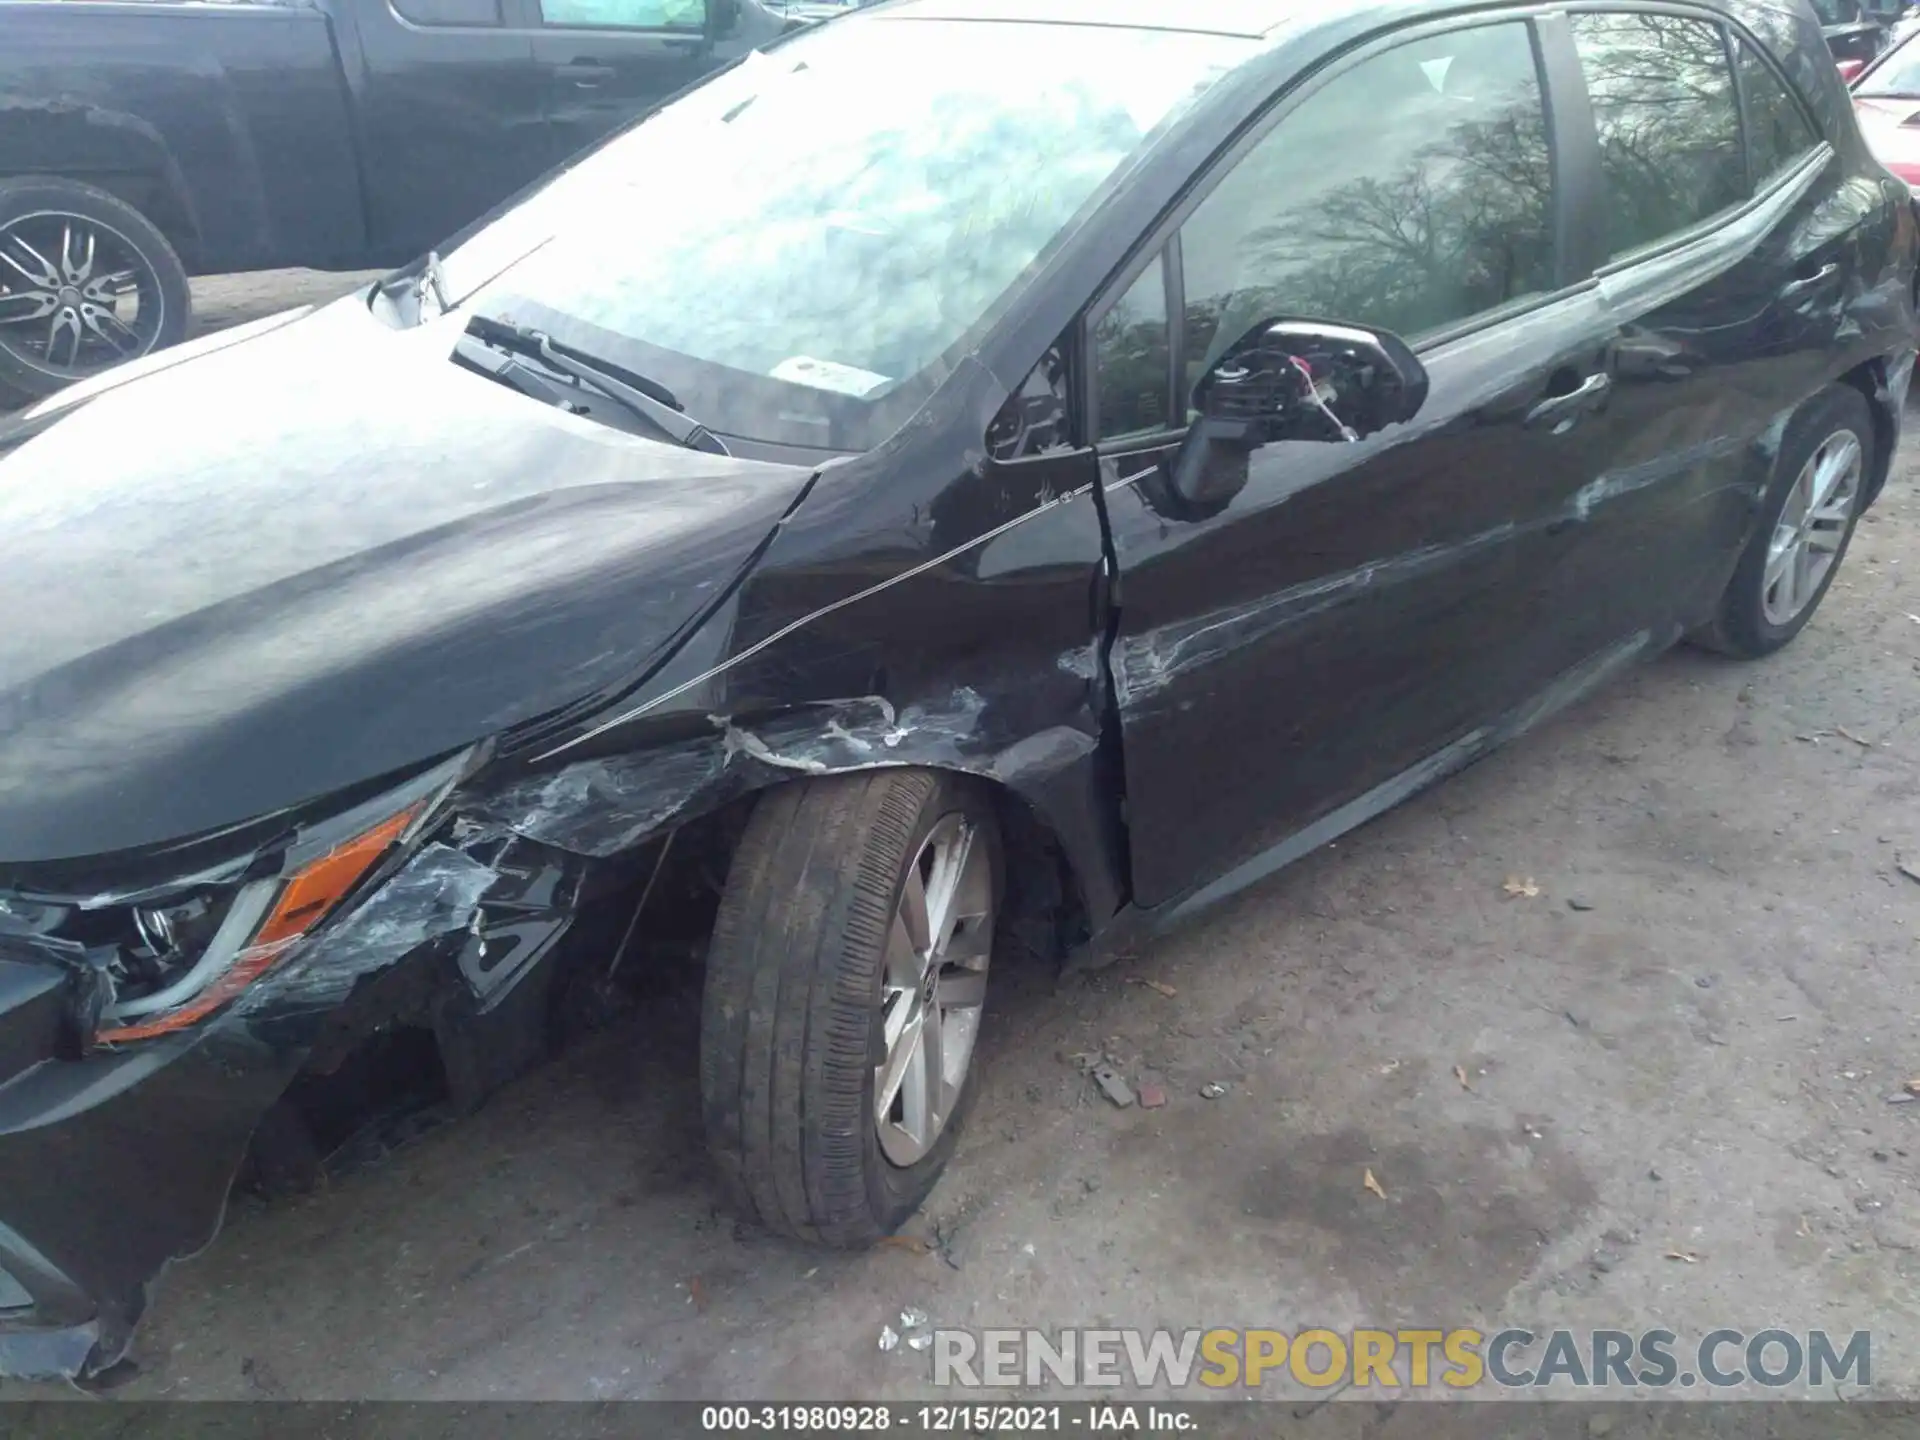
{"x":107,"y":149}
{"x":1050,"y":792}
{"x":1871,"y":380}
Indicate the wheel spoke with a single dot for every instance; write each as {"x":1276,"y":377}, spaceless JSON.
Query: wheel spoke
{"x":1799,"y":500}
{"x":915,"y":1092}
{"x":904,"y":962}
{"x":17,"y":306}
{"x":1802,"y":578}
{"x":1820,"y":474}
{"x":109,"y":327}
{"x":943,"y":885}
{"x":1782,"y":580}
{"x":109,"y":287}
{"x":1826,"y":542}
{"x":970,"y":935}
{"x":902,"y":1055}
{"x":42,"y":275}
{"x":76,"y":254}
{"x":1780,"y":555}
{"x":932,"y":1069}
{"x":65,"y":323}
{"x":896,"y":1015}
{"x":913,"y":913}
{"x":1834,"y":512}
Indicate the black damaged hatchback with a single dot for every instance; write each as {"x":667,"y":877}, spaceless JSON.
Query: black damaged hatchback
{"x":963,"y":480}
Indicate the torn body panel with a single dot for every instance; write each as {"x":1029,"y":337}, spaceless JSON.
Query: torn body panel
{"x":479,"y":908}
{"x":857,"y":642}
{"x":1136,"y":924}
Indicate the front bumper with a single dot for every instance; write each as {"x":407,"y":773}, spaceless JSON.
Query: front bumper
{"x":110,"y":1166}
{"x":118,"y":1162}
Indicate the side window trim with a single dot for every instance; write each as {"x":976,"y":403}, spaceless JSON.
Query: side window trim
{"x":1173,"y":273}
{"x":1795,"y":180}
{"x":1687,"y":260}
{"x":1731,"y":43}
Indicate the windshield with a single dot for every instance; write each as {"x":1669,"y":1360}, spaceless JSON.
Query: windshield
{"x":1897,"y":74}
{"x":809,"y":234}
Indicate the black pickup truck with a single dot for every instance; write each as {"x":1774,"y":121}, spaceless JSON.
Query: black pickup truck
{"x":142,"y":141}
{"x":1857,"y":30}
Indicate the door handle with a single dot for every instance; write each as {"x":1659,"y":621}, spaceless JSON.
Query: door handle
{"x":1808,"y":282}
{"x":584,"y":74}
{"x":1561,"y":411}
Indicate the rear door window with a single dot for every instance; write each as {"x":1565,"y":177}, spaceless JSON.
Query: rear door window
{"x":1663,"y":101}
{"x":459,"y":13}
{"x":625,"y":14}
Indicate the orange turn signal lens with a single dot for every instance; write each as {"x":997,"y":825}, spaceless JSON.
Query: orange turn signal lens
{"x":310,"y":894}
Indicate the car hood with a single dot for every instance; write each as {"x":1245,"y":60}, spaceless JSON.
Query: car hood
{"x":319,"y":557}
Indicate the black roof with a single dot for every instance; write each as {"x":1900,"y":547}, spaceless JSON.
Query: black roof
{"x":1251,"y":18}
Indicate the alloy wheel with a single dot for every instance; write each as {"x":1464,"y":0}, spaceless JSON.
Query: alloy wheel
{"x":1811,"y":528}
{"x":932,"y":989}
{"x":75,"y":294}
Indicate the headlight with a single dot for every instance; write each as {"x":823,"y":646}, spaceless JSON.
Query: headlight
{"x":256,"y":925}
{"x":164,"y":957}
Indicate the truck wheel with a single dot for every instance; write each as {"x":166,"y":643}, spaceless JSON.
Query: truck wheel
{"x":844,"y":993}
{"x":86,"y":281}
{"x":1812,"y":505}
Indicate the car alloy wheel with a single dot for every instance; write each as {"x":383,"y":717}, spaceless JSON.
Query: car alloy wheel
{"x":844,"y":998}
{"x":933,"y":988}
{"x":76,"y":295}
{"x":1812,"y":527}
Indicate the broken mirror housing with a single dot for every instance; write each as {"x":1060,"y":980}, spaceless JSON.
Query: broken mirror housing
{"x":1282,"y":381}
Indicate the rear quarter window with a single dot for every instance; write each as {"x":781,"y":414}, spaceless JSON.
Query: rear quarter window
{"x":1779,"y":134}
{"x":1669,"y":125}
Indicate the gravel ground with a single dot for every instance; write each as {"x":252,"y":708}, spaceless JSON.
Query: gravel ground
{"x":223,"y":300}
{"x":1684,"y":1045}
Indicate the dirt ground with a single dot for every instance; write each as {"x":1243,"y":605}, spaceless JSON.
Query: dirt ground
{"x":1686,"y":1044}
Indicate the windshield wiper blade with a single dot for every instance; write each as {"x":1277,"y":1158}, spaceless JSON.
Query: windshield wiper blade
{"x":651,"y":401}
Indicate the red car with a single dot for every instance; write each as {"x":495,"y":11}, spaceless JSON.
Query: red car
{"x":1886,"y":98}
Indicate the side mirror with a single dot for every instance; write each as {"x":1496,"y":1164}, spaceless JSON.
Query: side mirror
{"x":1293,"y":380}
{"x":1850,"y":70}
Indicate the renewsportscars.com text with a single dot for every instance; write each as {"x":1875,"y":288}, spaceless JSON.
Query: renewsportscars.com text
{"x":1400,"y":1359}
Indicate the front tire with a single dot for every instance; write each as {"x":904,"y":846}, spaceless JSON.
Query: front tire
{"x":86,"y":282}
{"x":1807,"y":520}
{"x":845,"y":988}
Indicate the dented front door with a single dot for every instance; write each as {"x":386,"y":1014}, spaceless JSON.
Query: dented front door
{"x":1357,"y":612}
{"x":1353,"y":612}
